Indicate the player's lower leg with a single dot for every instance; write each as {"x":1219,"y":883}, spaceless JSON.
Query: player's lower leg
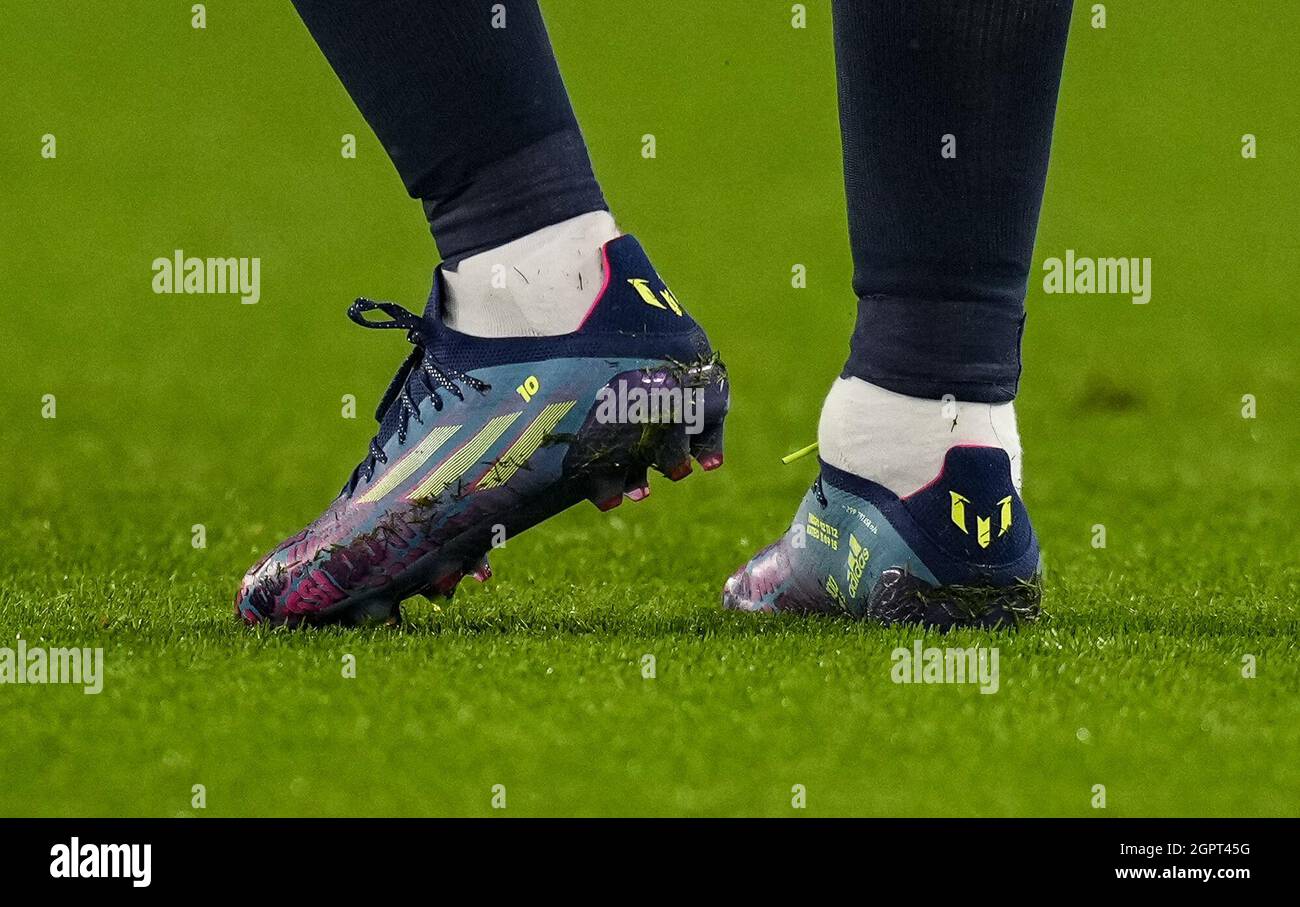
{"x":915,"y":515}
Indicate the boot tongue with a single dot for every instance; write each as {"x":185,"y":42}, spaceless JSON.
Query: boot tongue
{"x":432,"y":315}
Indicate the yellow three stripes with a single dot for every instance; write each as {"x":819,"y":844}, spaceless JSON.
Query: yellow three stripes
{"x":458,"y":463}
{"x":454,"y":466}
{"x":526,"y":445}
{"x":405,"y":467}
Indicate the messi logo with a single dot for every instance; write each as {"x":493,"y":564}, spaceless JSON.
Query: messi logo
{"x":983,"y":524}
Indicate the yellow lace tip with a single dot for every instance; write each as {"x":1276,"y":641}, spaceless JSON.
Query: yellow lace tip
{"x":799,"y":454}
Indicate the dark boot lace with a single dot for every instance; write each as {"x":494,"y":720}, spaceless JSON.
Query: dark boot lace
{"x":434,"y":375}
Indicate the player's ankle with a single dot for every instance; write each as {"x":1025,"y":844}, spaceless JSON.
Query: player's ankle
{"x":541,"y":284}
{"x":899,"y":441}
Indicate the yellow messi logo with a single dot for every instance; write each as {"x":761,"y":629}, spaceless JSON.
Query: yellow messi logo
{"x":642,"y":287}
{"x":983,"y":527}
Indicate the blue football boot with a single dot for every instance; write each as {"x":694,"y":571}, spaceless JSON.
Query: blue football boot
{"x":481,"y":438}
{"x":958,"y":552}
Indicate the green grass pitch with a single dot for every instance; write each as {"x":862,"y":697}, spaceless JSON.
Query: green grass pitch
{"x":174,"y":411}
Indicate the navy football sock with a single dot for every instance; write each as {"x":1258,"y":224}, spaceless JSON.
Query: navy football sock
{"x":470,"y":108}
{"x":946,"y":111}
